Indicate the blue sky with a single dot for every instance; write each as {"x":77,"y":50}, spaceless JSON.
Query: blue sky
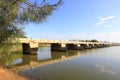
{"x":80,"y":19}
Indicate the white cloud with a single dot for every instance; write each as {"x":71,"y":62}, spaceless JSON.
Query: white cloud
{"x":104,"y":20}
{"x":100,"y":22}
{"x":105,"y":69}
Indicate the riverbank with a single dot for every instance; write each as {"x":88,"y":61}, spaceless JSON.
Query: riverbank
{"x":6,"y":74}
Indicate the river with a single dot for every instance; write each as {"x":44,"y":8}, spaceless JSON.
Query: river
{"x":88,"y":64}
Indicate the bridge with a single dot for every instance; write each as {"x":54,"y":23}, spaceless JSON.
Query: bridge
{"x":31,"y":46}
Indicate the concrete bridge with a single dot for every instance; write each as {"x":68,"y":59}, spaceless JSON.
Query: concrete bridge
{"x":31,"y":46}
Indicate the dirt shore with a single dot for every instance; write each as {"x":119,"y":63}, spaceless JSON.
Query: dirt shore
{"x":6,"y":74}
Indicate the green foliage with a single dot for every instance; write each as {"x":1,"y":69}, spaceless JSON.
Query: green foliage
{"x":15,"y":13}
{"x":8,"y":48}
{"x":94,"y":40}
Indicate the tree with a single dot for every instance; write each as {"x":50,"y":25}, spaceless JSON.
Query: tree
{"x":94,"y":40}
{"x":15,"y":13}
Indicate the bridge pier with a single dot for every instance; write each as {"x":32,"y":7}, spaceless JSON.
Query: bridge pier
{"x":93,"y":45}
{"x":98,"y":46}
{"x":58,"y":47}
{"x":28,"y":50}
{"x":103,"y":45}
{"x":74,"y":47}
{"x":86,"y":46}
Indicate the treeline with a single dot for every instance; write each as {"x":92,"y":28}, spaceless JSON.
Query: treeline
{"x":115,"y":44}
{"x":93,"y":40}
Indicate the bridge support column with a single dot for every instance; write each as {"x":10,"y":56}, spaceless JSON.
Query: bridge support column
{"x":74,"y":47}
{"x":58,"y":47}
{"x":28,"y":50}
{"x":103,"y":45}
{"x":86,"y":46}
{"x":93,"y":45}
{"x":98,"y":45}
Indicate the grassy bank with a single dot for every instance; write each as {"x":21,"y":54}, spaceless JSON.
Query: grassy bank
{"x":8,"y":53}
{"x":6,"y":48}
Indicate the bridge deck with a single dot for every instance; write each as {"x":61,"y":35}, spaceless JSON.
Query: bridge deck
{"x":26,"y":40}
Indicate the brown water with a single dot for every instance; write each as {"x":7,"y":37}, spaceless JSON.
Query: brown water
{"x":91,"y":64}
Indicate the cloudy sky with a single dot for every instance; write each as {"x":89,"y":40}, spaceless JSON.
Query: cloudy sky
{"x":80,"y":19}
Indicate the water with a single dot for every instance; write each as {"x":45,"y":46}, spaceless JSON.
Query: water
{"x":89,"y":64}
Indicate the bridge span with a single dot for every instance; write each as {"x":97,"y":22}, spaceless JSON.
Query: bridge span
{"x":31,"y":46}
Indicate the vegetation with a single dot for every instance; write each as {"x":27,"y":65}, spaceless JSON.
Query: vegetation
{"x":9,"y":52}
{"x":16,"y":13}
{"x":93,"y":40}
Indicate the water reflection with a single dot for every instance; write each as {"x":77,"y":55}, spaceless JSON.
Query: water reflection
{"x":10,"y":59}
{"x":94,"y":64}
{"x":44,"y":53}
{"x":44,"y":57}
{"x":68,"y":54}
{"x":17,"y":61}
{"x":10,"y":54}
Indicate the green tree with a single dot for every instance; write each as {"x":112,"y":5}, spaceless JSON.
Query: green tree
{"x":16,"y":13}
{"x":94,"y":40}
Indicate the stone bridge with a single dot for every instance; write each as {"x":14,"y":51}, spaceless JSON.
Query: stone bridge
{"x":31,"y":46}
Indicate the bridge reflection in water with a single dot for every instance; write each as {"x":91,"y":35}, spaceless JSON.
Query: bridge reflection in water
{"x":44,"y":57}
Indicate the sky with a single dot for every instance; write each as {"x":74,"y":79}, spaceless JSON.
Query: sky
{"x":80,"y":19}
